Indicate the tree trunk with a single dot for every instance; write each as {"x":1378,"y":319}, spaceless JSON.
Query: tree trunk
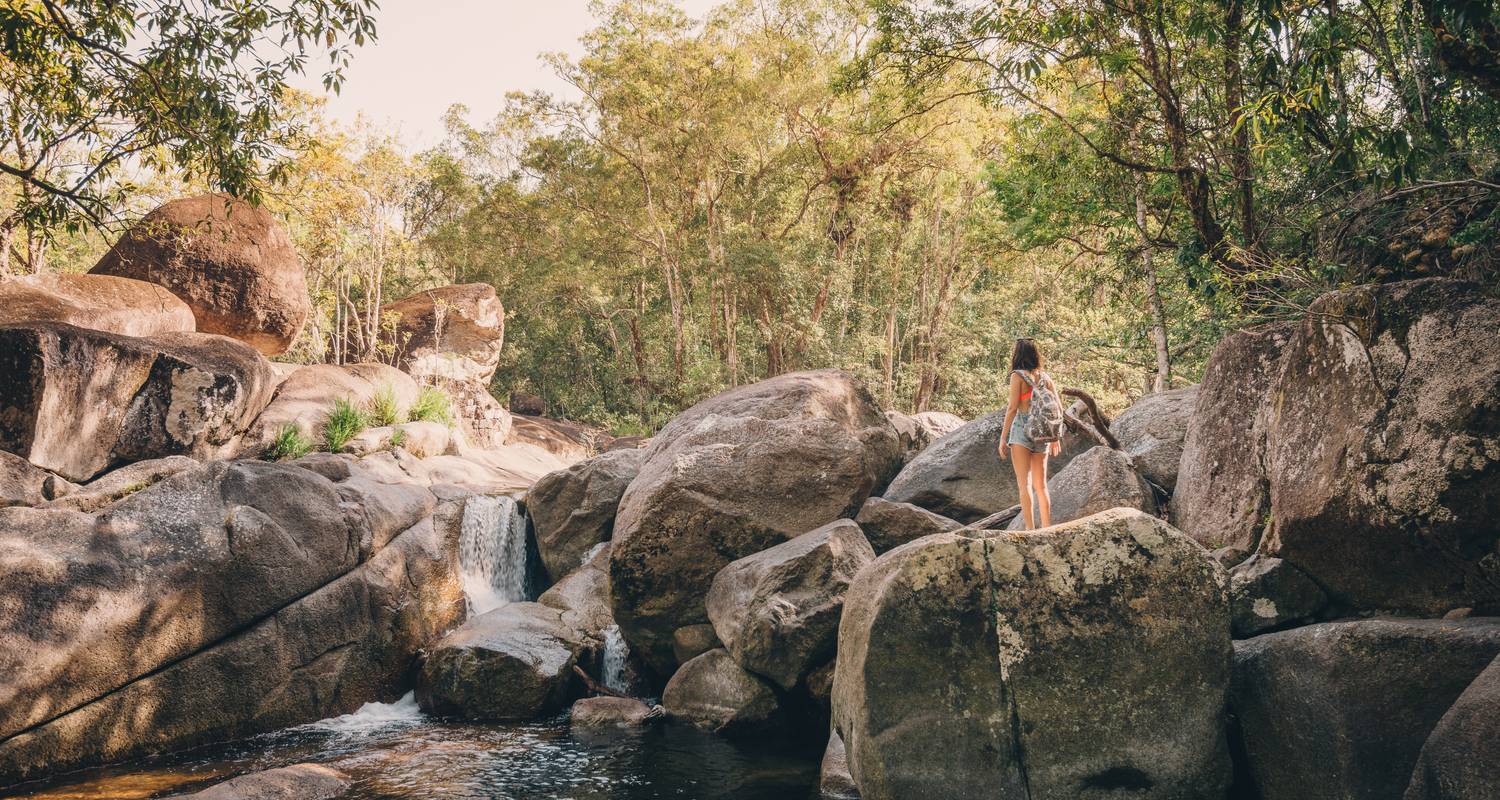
{"x":1239,"y":151}
{"x":1153,"y":300}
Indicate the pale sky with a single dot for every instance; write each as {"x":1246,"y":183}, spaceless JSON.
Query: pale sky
{"x":433,"y":53}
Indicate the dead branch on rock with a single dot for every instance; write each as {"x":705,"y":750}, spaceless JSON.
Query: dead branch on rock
{"x":1101,"y":422}
{"x":596,"y":687}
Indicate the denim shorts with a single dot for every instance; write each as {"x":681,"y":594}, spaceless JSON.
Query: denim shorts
{"x":1018,"y":434}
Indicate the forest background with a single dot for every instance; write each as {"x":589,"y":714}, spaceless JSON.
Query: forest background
{"x":898,"y":189}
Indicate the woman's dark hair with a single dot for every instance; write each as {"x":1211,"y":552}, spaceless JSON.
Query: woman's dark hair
{"x":1025,"y":356}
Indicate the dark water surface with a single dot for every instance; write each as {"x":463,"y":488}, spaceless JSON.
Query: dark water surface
{"x":391,"y":751}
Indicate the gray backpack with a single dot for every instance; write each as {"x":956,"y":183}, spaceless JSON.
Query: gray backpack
{"x":1044,"y":423}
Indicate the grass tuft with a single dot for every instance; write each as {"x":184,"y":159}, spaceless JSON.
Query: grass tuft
{"x":383,"y":407}
{"x":431,"y":405}
{"x":290,"y":444}
{"x":344,"y":422}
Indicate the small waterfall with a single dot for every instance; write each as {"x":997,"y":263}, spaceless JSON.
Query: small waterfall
{"x":615,"y":653}
{"x":593,"y":551}
{"x":372,"y":717}
{"x":493,"y":553}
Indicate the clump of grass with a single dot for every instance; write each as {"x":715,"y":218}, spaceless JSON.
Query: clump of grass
{"x":344,"y":422}
{"x":398,"y":438}
{"x":290,"y":444}
{"x":432,"y":405}
{"x":383,"y":407}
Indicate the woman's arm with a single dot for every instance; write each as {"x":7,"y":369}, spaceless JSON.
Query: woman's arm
{"x":1010,"y":413}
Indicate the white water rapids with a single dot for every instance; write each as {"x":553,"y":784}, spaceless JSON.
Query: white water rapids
{"x":492,"y":553}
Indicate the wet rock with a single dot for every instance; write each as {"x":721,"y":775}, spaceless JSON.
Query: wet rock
{"x":1461,"y":758}
{"x":118,"y":484}
{"x":1114,"y":652}
{"x":1222,"y":497}
{"x":889,"y":525}
{"x":573,"y":510}
{"x":734,"y":475}
{"x":352,"y":641}
{"x":231,"y":262}
{"x":715,"y":693}
{"x":777,"y":612}
{"x":691,"y":641}
{"x":834,"y":780}
{"x":297,"y":782}
{"x":1097,"y":480}
{"x":610,"y":712}
{"x":512,"y":663}
{"x":1152,"y":432}
{"x":1385,"y":478}
{"x":1342,"y":709}
{"x":583,"y":598}
{"x":75,"y":401}
{"x":1266,"y":593}
{"x":97,"y":302}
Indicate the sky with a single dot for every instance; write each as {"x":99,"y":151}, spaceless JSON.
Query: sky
{"x":431,"y":54}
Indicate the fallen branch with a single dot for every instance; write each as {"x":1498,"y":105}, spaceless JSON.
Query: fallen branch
{"x":1101,"y":422}
{"x":596,"y":687}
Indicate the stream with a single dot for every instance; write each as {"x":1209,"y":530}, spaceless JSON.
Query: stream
{"x":391,"y":751}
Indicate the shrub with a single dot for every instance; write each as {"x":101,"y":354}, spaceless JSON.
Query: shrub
{"x":383,"y":407}
{"x":431,"y":405}
{"x":290,"y":443}
{"x":344,"y":422}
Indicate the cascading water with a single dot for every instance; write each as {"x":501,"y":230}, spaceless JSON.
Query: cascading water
{"x":615,"y":653}
{"x":492,"y":553}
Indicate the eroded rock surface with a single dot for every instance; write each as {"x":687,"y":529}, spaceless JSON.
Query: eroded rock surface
{"x":512,"y":663}
{"x":714,"y":693}
{"x":97,"y":302}
{"x":1461,"y":759}
{"x":1152,"y":432}
{"x":1083,"y":662}
{"x":573,"y":510}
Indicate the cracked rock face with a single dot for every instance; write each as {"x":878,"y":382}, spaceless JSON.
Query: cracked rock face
{"x":1383,"y":448}
{"x":1085,"y":662}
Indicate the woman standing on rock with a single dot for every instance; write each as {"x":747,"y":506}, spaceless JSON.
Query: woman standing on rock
{"x":1029,"y":457}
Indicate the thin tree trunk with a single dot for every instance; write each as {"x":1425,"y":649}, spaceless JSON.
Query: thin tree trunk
{"x":1153,"y":299}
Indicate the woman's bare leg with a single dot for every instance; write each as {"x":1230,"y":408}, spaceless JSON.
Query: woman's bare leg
{"x":1021,"y":459}
{"x":1038,"y":468}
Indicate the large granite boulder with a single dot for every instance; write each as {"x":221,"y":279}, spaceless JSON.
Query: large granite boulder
{"x":1342,"y":709}
{"x":297,"y":782}
{"x":888,"y":525}
{"x":512,"y":663}
{"x":1089,"y":661}
{"x":935,"y":425}
{"x":734,"y":475}
{"x":115,"y":485}
{"x":1383,"y":448}
{"x":582,"y":596}
{"x":77,"y":401}
{"x":1152,"y":432}
{"x":609,"y":712}
{"x":777,"y":611}
{"x":95,"y":602}
{"x":1266,"y":593}
{"x":961,"y":475}
{"x":1222,"y":497}
{"x":1097,"y":480}
{"x":231,"y":262}
{"x":573,"y":510}
{"x":1461,"y":759}
{"x":714,"y":693}
{"x":571,"y":442}
{"x":290,"y":660}
{"x":97,"y":302}
{"x":452,"y":332}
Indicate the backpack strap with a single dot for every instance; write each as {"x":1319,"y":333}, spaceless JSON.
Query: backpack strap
{"x":1027,"y":378}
